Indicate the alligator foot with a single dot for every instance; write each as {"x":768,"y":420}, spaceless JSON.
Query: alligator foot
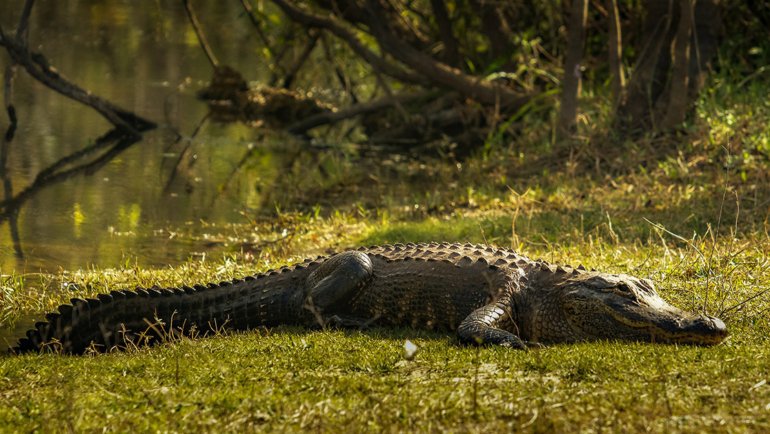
{"x":483,"y":327}
{"x":349,"y":322}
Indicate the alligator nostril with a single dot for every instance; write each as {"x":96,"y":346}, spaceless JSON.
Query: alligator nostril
{"x":717,"y":324}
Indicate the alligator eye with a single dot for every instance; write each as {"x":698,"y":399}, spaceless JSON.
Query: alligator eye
{"x":623,"y":290}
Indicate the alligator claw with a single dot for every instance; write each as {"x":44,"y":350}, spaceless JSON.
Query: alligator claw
{"x":535,"y":345}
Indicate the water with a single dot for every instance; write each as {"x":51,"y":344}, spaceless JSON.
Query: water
{"x":146,"y":59}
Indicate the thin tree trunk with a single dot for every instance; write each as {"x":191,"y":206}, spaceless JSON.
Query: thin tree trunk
{"x":678,"y":101}
{"x":615,"y":51}
{"x":576,"y":32}
{"x":644,"y":87}
{"x":495,"y":28}
{"x":451,"y":53}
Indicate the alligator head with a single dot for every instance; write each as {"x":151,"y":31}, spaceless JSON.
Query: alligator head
{"x":589,"y":306}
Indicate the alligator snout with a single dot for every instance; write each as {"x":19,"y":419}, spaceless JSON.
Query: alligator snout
{"x":705,"y":330}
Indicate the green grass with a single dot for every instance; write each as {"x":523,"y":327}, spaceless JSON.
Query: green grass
{"x":289,"y":379}
{"x":691,"y":213}
{"x":293,"y":380}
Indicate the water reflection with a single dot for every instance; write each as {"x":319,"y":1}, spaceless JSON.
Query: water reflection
{"x":147,"y":60}
{"x":110,"y":145}
{"x":190,"y":176}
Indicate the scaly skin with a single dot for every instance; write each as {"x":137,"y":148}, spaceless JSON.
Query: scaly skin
{"x":485,"y":294}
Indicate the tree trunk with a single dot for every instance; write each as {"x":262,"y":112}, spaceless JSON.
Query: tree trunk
{"x":451,"y":53}
{"x":615,"y":53}
{"x":678,"y":95}
{"x":576,"y":32}
{"x":672,"y":65}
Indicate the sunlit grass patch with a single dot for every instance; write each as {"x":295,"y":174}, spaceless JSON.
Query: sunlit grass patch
{"x":291,"y":379}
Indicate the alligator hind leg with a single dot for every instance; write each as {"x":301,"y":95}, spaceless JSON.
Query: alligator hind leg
{"x":482,"y":327}
{"x":335,"y":282}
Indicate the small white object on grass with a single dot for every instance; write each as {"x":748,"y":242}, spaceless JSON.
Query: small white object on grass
{"x":410,"y":349}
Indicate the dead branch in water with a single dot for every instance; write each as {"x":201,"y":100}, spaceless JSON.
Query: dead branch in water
{"x":196,"y":25}
{"x":38,"y":67}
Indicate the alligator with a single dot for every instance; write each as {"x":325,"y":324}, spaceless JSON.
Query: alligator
{"x":486,"y":295}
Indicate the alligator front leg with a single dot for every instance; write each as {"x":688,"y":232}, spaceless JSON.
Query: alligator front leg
{"x":334,"y":283}
{"x":482,"y":327}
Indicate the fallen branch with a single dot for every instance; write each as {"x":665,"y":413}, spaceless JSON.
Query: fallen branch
{"x":38,"y":67}
{"x":485,"y":92}
{"x":327,"y":118}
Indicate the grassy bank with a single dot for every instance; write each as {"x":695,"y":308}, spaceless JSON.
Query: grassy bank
{"x":294,"y":380}
{"x":691,"y":213}
{"x":289,"y":379}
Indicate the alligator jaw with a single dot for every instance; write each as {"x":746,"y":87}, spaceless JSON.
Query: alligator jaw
{"x":701,"y":330}
{"x":678,"y":329}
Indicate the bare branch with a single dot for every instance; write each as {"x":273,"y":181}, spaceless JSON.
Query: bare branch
{"x":340,"y":31}
{"x":258,"y":26}
{"x":10,"y":74}
{"x":37,"y":66}
{"x":199,"y":33}
{"x":22,"y":30}
{"x":344,"y":81}
{"x":442,"y":74}
{"x":292,"y":73}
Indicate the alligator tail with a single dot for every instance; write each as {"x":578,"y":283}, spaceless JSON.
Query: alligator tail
{"x":122,"y":319}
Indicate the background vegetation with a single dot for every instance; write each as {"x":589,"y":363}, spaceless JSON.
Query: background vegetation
{"x":675,"y":192}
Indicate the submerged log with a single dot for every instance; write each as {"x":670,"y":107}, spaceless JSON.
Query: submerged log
{"x":230,"y":100}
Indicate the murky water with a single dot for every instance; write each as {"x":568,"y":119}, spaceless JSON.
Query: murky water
{"x":147,"y":59}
